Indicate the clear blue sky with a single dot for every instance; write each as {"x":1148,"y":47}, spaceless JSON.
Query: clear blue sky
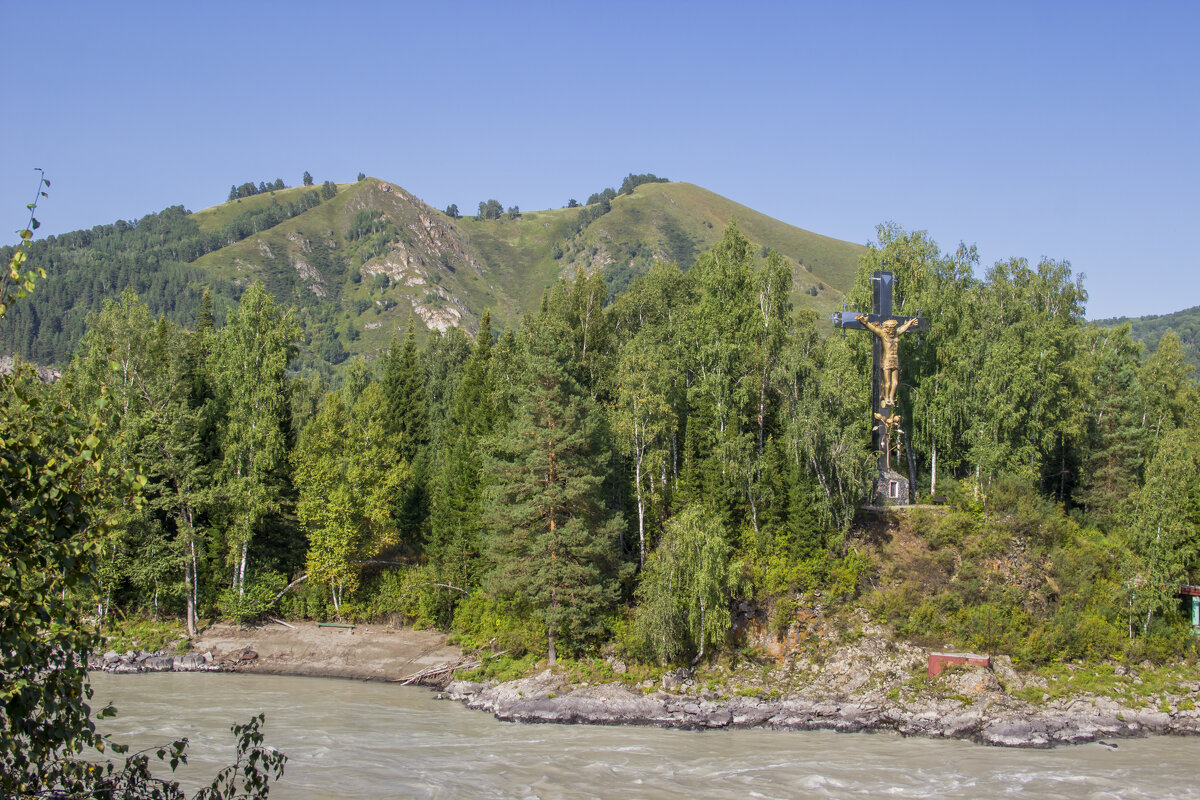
{"x":1064,"y":130}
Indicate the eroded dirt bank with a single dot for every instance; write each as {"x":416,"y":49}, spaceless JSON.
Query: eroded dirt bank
{"x":365,"y":652}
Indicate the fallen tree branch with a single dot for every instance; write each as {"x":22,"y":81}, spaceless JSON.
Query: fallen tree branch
{"x":296,"y":582}
{"x":281,"y":622}
{"x":441,"y":669}
{"x":444,"y":585}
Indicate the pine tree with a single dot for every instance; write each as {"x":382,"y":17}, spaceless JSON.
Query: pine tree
{"x":553,"y":543}
{"x":407,"y":415}
{"x":1116,"y":440}
{"x":404,"y":387}
{"x":457,"y":515}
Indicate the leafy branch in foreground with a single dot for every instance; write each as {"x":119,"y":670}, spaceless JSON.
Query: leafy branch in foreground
{"x":15,"y":283}
{"x":61,"y":491}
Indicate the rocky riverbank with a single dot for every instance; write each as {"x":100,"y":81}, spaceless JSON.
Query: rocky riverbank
{"x":134,"y":661}
{"x":994,"y":718}
{"x":871,"y":683}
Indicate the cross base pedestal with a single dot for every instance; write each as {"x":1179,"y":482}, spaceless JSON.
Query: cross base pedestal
{"x":891,"y":488}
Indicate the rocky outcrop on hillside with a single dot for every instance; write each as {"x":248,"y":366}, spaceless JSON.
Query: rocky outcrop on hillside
{"x":45,"y":374}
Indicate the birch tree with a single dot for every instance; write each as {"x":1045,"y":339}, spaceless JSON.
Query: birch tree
{"x":249,"y":366}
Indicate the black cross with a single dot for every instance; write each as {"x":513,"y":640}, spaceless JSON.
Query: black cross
{"x":882,"y":284}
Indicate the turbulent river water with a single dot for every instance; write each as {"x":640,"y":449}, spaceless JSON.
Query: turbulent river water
{"x":348,"y":739}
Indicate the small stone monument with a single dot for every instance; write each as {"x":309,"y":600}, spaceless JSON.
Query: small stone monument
{"x":891,"y":488}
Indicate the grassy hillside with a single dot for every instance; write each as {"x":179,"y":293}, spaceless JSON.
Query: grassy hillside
{"x":681,"y":220}
{"x":217,"y":217}
{"x":1185,"y":324}
{"x":447,"y":271}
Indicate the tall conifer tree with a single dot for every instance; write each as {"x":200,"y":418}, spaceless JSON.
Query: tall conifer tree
{"x":553,"y":543}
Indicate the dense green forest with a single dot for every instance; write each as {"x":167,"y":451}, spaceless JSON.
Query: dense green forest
{"x":628,"y":472}
{"x":62,"y":502}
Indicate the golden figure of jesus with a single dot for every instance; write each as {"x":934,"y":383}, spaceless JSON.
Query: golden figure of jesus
{"x":889,"y":336}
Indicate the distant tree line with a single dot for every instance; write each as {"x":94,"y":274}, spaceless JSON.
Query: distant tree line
{"x":249,"y":189}
{"x":630,"y":183}
{"x":1149,"y":329}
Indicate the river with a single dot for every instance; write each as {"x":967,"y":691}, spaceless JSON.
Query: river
{"x":350,"y":739}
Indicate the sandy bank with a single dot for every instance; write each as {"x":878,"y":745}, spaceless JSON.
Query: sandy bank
{"x":368,"y":652}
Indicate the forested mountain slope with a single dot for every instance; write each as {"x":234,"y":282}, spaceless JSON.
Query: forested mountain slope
{"x":357,"y":259}
{"x":1149,"y":329}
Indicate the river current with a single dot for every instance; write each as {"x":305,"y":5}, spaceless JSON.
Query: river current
{"x":349,"y":739}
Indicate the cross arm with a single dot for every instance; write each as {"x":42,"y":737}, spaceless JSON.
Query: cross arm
{"x":845,"y":319}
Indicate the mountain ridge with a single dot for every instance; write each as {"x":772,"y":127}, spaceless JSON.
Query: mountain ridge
{"x":356,"y":259}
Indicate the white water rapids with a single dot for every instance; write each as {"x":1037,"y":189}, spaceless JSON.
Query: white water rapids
{"x":349,"y":739}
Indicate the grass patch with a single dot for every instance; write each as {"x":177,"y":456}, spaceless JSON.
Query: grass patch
{"x":144,"y":634}
{"x":1141,"y":688}
{"x":500,"y":668}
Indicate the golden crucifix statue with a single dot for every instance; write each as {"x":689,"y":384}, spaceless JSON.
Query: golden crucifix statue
{"x":890,"y":488}
{"x":889,"y":332}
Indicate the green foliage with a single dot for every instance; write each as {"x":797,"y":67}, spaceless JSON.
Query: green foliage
{"x":150,"y":256}
{"x":348,"y":473}
{"x":60,"y":494}
{"x":686,"y":588}
{"x":250,"y":358}
{"x":604,"y":197}
{"x":18,"y":280}
{"x":490,"y":209}
{"x":139,"y":633}
{"x":253,"y":769}
{"x":520,"y":478}
{"x":632,"y":181}
{"x":1166,"y":522}
{"x":252,"y":600}
{"x":63,"y":490}
{"x":249,"y":189}
{"x":509,"y":625}
{"x":555,"y":544}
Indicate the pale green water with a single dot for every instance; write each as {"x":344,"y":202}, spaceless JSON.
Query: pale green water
{"x":347,"y":739}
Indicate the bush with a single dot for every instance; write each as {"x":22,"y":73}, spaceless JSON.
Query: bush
{"x":307,"y":601}
{"x":255,"y":601}
{"x":481,"y":620}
